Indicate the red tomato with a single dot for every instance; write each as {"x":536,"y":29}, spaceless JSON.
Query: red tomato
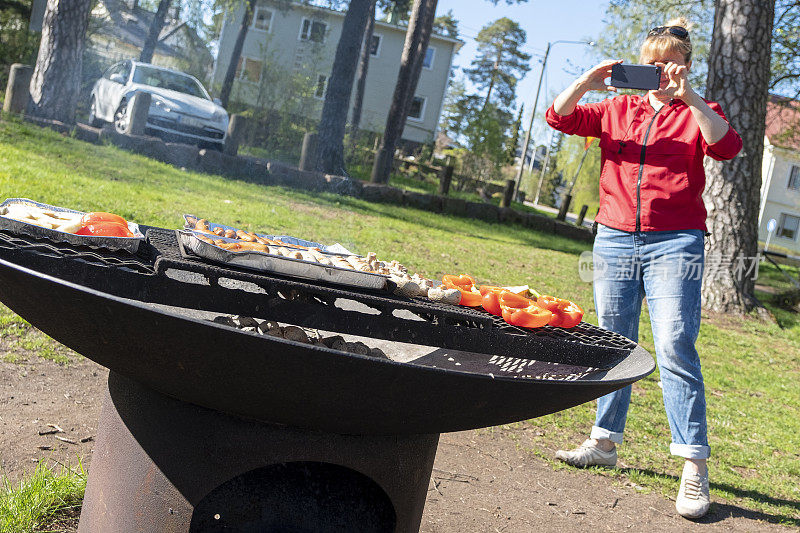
{"x":470,"y":297}
{"x":100,"y":216}
{"x":105,"y":229}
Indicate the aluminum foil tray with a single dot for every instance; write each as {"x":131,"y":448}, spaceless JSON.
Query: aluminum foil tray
{"x":130,"y":244}
{"x":335,"y":249}
{"x":286,"y":266}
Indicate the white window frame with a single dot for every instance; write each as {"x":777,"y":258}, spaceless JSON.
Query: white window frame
{"x":421,"y":111}
{"x":782,"y":224}
{"x":240,"y":78}
{"x":432,"y":50}
{"x":794,"y":173}
{"x":325,"y":88}
{"x":255,"y":17}
{"x":310,"y":26}
{"x":380,"y":44}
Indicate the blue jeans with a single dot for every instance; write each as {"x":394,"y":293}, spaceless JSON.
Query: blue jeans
{"x":666,"y":267}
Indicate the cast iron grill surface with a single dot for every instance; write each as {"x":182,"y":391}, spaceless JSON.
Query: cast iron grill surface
{"x":97,"y":257}
{"x":146,"y":277}
{"x":285,"y":382}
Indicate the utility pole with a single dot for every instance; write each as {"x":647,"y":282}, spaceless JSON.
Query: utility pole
{"x":533,"y":113}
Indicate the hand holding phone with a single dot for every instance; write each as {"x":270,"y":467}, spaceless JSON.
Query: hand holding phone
{"x":629,"y":76}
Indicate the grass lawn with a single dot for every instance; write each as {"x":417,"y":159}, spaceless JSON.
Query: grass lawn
{"x":751,"y":368}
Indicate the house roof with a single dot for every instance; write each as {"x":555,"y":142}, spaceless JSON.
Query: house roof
{"x":458,"y":43}
{"x":783,"y":122}
{"x":132,"y":26}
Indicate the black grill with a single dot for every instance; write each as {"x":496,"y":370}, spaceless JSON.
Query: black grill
{"x":314,"y":305}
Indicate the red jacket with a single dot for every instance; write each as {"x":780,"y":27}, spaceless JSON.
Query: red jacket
{"x":652,"y":174}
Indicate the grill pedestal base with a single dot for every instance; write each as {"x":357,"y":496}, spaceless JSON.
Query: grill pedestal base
{"x":162,"y":465}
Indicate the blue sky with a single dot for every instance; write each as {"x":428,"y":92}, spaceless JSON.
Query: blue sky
{"x":544,"y":21}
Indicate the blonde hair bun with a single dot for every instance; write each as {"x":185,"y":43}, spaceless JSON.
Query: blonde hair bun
{"x":680,"y":22}
{"x":655,"y":46}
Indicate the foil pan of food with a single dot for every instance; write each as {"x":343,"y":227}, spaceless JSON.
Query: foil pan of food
{"x":221,"y":230}
{"x":294,"y":260}
{"x":59,"y":224}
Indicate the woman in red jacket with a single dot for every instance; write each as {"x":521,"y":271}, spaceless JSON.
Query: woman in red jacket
{"x":649,"y":241}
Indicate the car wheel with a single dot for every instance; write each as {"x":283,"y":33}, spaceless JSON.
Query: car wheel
{"x":122,"y":118}
{"x":93,"y":120}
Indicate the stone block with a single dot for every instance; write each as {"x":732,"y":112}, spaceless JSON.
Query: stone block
{"x":181,"y":155}
{"x":454,"y":206}
{"x":427,"y":202}
{"x":483,"y":211}
{"x":55,"y":125}
{"x":510,"y":215}
{"x":86,"y":133}
{"x":152,"y":147}
{"x":215,"y":162}
{"x":573,"y":232}
{"x":539,"y":222}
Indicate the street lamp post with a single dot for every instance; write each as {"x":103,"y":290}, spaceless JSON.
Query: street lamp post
{"x":533,"y":111}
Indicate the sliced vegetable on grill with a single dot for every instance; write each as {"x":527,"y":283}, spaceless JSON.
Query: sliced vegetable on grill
{"x":566,"y":314}
{"x":523,"y":312}
{"x":105,"y":229}
{"x":470,"y":296}
{"x":101,"y":216}
{"x":490,"y":299}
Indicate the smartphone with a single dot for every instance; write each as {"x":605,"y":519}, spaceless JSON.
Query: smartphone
{"x":629,"y":76}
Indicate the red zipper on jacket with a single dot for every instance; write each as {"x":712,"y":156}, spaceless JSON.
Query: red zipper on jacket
{"x":641,"y":170}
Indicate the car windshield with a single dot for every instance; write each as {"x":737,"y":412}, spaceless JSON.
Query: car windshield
{"x":174,"y":81}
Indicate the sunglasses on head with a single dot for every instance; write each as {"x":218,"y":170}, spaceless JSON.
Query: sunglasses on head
{"x":677,"y":31}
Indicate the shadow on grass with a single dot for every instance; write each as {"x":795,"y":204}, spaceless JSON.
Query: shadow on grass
{"x":522,"y":235}
{"x":722,"y":510}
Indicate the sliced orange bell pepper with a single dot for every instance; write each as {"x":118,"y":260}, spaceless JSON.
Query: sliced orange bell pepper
{"x":520,"y":311}
{"x":566,"y":314}
{"x":573,"y":314}
{"x":491,"y":299}
{"x":470,"y":296}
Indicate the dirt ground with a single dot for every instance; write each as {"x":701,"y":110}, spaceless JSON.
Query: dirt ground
{"x":482,"y":480}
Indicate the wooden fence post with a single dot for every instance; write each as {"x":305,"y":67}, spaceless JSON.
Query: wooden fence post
{"x":445,"y":178}
{"x":562,"y":212}
{"x":508,"y":193}
{"x":582,"y":215}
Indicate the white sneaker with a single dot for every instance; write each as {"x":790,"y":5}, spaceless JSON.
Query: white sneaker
{"x":693,"y":500}
{"x":588,"y":454}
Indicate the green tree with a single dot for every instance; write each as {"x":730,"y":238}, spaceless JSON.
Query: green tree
{"x":446,"y":24}
{"x":420,"y":27}
{"x":513,"y":140}
{"x":500,"y":61}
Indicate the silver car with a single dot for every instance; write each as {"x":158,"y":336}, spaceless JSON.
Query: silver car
{"x":180,"y":108}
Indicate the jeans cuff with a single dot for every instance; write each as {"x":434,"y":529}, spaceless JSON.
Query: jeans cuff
{"x":601,"y":433}
{"x":690,"y":451}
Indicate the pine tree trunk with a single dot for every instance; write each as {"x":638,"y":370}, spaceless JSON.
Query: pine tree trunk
{"x":330,"y":150}
{"x":417,"y":37}
{"x":363,"y":67}
{"x":56,"y":82}
{"x":738,"y":79}
{"x":230,"y":73}
{"x":156,"y":26}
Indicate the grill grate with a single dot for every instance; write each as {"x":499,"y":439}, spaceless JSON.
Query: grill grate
{"x":97,"y":257}
{"x":145,"y":276}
